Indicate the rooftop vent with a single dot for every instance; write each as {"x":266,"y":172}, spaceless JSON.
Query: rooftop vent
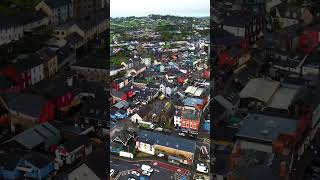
{"x":264,"y":132}
{"x":271,"y":124}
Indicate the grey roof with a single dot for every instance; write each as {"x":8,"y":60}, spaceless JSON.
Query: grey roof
{"x":37,"y":159}
{"x":259,"y":88}
{"x":97,"y":61}
{"x":9,"y":22}
{"x":36,"y":135}
{"x":266,"y":127}
{"x":57,"y":3}
{"x":26,"y":62}
{"x":29,"y":104}
{"x":83,"y":172}
{"x":76,"y":142}
{"x":282,"y":99}
{"x":74,"y":39}
{"x":121,"y":104}
{"x":167,"y":141}
{"x":6,"y":82}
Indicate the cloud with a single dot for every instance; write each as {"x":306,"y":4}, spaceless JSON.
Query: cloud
{"x":122,"y":8}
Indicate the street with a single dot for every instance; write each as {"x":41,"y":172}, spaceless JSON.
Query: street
{"x":161,"y":170}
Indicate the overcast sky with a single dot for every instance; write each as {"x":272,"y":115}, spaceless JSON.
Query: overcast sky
{"x":194,"y":8}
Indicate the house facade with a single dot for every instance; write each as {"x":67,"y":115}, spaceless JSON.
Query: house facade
{"x":10,"y":31}
{"x":57,"y":11}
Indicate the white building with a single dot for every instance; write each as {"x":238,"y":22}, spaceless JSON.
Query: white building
{"x":37,"y":74}
{"x":10,"y":31}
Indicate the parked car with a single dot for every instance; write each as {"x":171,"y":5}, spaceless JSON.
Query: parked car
{"x":112,"y":172}
{"x":147,"y":173}
{"x":143,"y":178}
{"x":201,"y":167}
{"x":158,"y":129}
{"x":131,"y":178}
{"x":161,"y":155}
{"x":145,"y":167}
{"x":181,"y":134}
{"x":136,"y":173}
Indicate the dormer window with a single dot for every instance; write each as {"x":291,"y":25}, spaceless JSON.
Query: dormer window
{"x":287,"y":14}
{"x":295,"y":15}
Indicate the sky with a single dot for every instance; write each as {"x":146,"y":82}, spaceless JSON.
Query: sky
{"x":192,"y":8}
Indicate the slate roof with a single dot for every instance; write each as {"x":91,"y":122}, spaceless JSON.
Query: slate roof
{"x":74,"y":39}
{"x":26,"y":62}
{"x":36,"y":135}
{"x":83,"y":172}
{"x":259,"y":88}
{"x":57,"y":3}
{"x":238,"y":19}
{"x":37,"y":159}
{"x":93,"y":109}
{"x":266,"y":127}
{"x":282,"y":99}
{"x":96,"y":61}
{"x":76,"y":142}
{"x":9,"y":22}
{"x":143,"y":111}
{"x":167,"y":141}
{"x":31,"y":16}
{"x":53,"y":88}
{"x":123,"y":135}
{"x":9,"y":161}
{"x":98,"y":168}
{"x":17,"y":102}
{"x":6,"y":82}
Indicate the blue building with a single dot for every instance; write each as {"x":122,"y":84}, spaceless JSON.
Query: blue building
{"x":39,"y":165}
{"x":8,"y":166}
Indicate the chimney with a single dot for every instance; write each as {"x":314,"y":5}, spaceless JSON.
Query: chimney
{"x":282,"y":169}
{"x":70,"y":81}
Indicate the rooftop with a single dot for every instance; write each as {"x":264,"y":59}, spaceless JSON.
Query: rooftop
{"x":266,"y":127}
{"x":168,"y":141}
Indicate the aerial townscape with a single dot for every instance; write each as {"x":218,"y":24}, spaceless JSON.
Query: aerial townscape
{"x":160,"y":88}
{"x":265,"y":102}
{"x":53,"y":92}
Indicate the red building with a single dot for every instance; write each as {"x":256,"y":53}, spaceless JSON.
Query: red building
{"x":310,"y":39}
{"x":21,"y":79}
{"x":190,"y":119}
{"x":118,"y":96}
{"x":206,"y":74}
{"x":29,"y":105}
{"x":47,"y":112}
{"x":182,"y":79}
{"x":229,"y":57}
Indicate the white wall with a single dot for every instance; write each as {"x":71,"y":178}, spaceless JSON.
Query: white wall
{"x":177,"y":120}
{"x":255,"y":146}
{"x":146,"y":148}
{"x":237,"y":31}
{"x":136,"y":118}
{"x":10,"y":34}
{"x":37,"y":74}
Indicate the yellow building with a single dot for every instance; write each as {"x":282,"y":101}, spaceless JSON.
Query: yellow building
{"x":50,"y":60}
{"x":176,"y":149}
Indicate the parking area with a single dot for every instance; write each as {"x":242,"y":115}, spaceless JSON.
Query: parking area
{"x":162,"y":171}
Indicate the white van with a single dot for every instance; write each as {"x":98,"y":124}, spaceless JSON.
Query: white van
{"x":145,"y":167}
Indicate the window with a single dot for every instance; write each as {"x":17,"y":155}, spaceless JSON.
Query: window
{"x":187,"y":125}
{"x":86,"y":120}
